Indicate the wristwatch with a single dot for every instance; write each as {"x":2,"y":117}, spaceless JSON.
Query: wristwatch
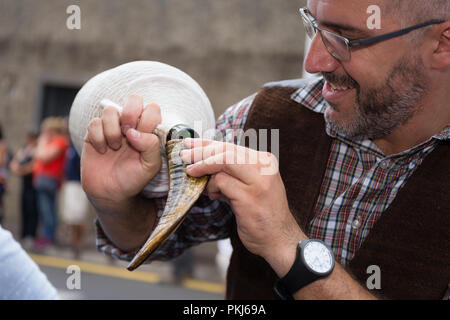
{"x":314,"y":261}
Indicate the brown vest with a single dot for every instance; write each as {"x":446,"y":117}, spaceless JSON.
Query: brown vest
{"x":410,"y":242}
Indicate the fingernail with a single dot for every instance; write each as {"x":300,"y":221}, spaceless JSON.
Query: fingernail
{"x":116,"y":146}
{"x":134,"y":133}
{"x":125,"y":128}
{"x":185,"y":156}
{"x":190,"y":167}
{"x":132,"y":98}
{"x":188,"y":142}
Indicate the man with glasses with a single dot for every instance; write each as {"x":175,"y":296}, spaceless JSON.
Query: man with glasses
{"x":364,"y":170}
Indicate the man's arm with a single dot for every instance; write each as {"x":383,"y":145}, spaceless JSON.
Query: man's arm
{"x":339,"y":285}
{"x":265,"y":224}
{"x":207,"y":220}
{"x":129,"y":231}
{"x":119,"y":157}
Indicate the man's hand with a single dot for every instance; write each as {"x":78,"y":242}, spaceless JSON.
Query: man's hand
{"x":121,"y":154}
{"x":249,"y":180}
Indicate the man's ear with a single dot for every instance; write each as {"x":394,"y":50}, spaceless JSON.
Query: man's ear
{"x":441,"y":56}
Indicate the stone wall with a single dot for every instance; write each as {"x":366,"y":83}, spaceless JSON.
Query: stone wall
{"x":231,"y":47}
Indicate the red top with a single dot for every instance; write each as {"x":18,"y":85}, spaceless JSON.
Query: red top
{"x":55,"y":167}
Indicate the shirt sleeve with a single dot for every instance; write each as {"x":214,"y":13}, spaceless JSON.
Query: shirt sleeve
{"x":20,"y":277}
{"x":207,"y":220}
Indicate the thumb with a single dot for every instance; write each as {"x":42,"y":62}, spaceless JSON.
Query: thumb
{"x":148,"y":145}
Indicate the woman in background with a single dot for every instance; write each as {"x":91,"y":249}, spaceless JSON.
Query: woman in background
{"x":47,"y":175}
{"x":22,"y":165}
{"x":75,"y":203}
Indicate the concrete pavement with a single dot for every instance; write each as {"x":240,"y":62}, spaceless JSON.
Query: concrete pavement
{"x":107,"y":278}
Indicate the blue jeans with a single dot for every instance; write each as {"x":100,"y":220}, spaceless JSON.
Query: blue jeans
{"x":46,"y":194}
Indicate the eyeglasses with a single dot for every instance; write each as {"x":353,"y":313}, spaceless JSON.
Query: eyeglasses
{"x":339,"y":46}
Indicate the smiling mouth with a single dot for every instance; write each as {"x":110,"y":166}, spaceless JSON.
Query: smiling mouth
{"x":336,"y":87}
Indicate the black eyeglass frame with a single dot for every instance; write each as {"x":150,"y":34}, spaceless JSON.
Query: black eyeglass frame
{"x":306,"y":14}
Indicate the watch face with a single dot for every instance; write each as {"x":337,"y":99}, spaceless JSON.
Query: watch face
{"x":318,"y":257}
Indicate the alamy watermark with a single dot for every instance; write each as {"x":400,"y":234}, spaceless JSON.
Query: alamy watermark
{"x":73,"y":281}
{"x":250,"y":147}
{"x":374,"y":20}
{"x":374,"y":281}
{"x":73,"y":22}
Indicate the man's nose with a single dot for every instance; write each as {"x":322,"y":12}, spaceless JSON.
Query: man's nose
{"x":318,"y":58}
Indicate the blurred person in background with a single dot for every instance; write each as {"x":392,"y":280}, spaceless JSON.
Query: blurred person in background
{"x":4,"y":159}
{"x":48,"y":172}
{"x":183,"y":267}
{"x":75,"y":203}
{"x":223,"y":256}
{"x":20,"y":277}
{"x":22,"y":165}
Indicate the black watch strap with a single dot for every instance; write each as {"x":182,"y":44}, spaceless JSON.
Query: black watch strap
{"x":298,"y":277}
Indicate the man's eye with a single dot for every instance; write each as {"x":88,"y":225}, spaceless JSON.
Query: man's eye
{"x":352,"y":37}
{"x":346,"y":35}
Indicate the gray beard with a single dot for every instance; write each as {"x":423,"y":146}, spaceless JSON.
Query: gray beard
{"x":381,"y":110}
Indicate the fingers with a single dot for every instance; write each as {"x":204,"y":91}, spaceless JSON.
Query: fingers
{"x":203,"y":149}
{"x":135,"y":116}
{"x":150,"y":118}
{"x":211,"y":157}
{"x":196,"y":143}
{"x":95,"y":135}
{"x":230,"y":162}
{"x":148,"y":145}
{"x":131,"y":112}
{"x":107,"y":131}
{"x":142,"y":141}
{"x":111,"y":128}
{"x":225,"y":187}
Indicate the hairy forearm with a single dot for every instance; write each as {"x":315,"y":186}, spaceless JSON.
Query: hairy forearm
{"x":127,"y":224}
{"x":339,"y":285}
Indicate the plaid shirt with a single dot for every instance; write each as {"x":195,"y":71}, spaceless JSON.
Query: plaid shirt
{"x":359,"y":185}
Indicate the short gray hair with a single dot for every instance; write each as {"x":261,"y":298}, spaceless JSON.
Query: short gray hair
{"x":412,"y":12}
